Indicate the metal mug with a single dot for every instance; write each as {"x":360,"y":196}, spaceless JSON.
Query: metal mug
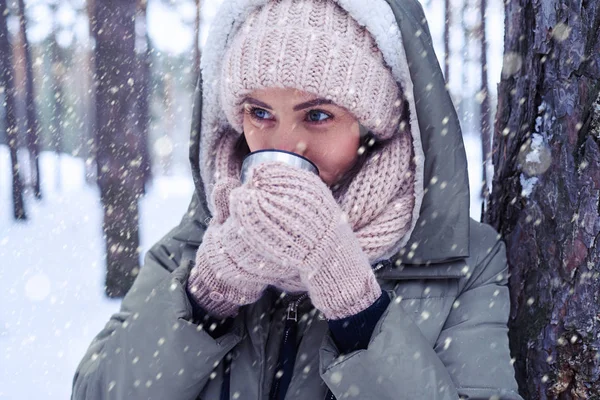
{"x":261,"y":156}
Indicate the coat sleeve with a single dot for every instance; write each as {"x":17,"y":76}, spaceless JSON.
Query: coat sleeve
{"x":151,"y":349}
{"x":469,"y":360}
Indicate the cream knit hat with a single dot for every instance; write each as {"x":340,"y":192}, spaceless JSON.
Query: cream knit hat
{"x":314,"y":46}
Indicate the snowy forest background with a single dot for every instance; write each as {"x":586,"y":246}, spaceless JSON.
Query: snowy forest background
{"x":54,"y":250}
{"x":52,"y":265}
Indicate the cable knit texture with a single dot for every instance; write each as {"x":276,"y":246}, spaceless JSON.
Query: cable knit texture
{"x":314,"y":46}
{"x":290,"y":217}
{"x":380,"y":199}
{"x":229,"y":272}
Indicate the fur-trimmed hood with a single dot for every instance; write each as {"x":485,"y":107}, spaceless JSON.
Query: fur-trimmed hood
{"x":440,"y":226}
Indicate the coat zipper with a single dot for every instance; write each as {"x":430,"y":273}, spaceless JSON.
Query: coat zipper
{"x":287,"y":351}
{"x":382,"y":264}
{"x":292,"y":310}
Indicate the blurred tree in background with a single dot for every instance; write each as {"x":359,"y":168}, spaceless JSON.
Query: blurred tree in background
{"x":31,"y":124}
{"x":118,"y":139}
{"x":8,"y":90}
{"x":93,"y":85}
{"x":142,"y":82}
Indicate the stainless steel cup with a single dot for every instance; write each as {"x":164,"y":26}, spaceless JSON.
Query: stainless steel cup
{"x":262,"y":156}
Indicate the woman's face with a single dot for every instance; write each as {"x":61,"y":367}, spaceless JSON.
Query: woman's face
{"x":297,"y":121}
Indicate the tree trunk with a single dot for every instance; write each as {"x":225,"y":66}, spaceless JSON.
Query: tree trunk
{"x":484,"y":100}
{"x":546,"y":191}
{"x":84,"y":69}
{"x":58,"y":77}
{"x":31,"y":118}
{"x":197,"y":40}
{"x":90,"y":103}
{"x":7,"y":83}
{"x":463,"y":97}
{"x":169,"y":128}
{"x":143,"y":89}
{"x":114,"y":30}
{"x":447,"y":22}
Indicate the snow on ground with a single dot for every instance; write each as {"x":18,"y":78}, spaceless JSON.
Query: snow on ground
{"x":52,"y":274}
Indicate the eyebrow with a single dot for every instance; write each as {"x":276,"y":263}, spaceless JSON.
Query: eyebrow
{"x":312,"y":103}
{"x":301,"y":106}
{"x":256,"y":102}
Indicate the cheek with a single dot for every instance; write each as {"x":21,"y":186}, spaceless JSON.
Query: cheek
{"x":337,"y":156}
{"x":254,"y":137}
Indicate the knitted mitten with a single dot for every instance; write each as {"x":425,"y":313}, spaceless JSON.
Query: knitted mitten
{"x":290,"y":216}
{"x":228,"y":273}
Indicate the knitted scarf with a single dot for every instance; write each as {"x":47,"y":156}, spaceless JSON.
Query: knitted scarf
{"x":378,"y":201}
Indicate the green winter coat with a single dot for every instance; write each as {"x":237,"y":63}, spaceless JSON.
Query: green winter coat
{"x":444,"y":335}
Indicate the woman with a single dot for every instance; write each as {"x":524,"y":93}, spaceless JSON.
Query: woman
{"x":367,"y":281}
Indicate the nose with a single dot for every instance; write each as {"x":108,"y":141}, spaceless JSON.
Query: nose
{"x":288,"y":138}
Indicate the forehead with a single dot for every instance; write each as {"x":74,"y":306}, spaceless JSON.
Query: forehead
{"x":289,"y":98}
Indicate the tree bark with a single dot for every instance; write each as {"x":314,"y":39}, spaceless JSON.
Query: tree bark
{"x":546,"y":191}
{"x":118,"y":142}
{"x":31,"y":118}
{"x":7,"y":83}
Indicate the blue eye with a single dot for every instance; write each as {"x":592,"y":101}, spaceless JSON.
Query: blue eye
{"x":317,"y":116}
{"x":312,"y":116}
{"x":261,"y":114}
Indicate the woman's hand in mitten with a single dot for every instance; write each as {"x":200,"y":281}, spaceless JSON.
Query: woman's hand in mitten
{"x":291,"y":217}
{"x":228,"y":273}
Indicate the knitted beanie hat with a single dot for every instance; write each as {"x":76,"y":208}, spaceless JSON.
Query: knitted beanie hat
{"x":314,"y":46}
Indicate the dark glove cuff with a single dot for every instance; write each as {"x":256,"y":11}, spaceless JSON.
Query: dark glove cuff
{"x":354,"y":332}
{"x":216,"y":327}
